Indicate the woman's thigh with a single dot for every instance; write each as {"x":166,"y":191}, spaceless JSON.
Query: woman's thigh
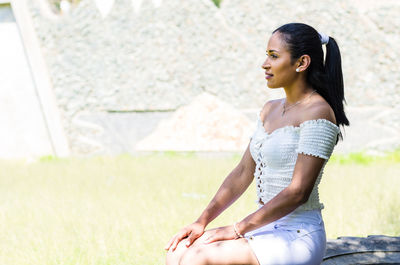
{"x":227,"y":252}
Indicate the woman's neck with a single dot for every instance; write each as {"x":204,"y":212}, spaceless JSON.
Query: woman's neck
{"x":297,"y":92}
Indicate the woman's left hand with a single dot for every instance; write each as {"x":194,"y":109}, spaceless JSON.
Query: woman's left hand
{"x":221,"y":233}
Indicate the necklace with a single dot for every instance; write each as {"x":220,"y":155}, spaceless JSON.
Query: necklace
{"x":285,"y":109}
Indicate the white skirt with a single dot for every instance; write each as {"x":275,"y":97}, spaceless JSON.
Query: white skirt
{"x":297,"y":238}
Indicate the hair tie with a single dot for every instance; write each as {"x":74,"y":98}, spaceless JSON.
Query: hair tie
{"x":324,"y":38}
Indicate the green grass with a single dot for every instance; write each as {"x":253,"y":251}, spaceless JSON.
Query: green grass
{"x":217,"y":2}
{"x":122,"y":210}
{"x":365,"y":159}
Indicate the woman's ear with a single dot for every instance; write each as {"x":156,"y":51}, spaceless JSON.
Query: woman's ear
{"x":303,"y":63}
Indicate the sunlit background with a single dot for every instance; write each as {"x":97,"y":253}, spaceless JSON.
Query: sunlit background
{"x":120,"y":118}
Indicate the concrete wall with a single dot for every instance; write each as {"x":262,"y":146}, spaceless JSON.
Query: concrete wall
{"x":110,"y":65}
{"x":24,"y":132}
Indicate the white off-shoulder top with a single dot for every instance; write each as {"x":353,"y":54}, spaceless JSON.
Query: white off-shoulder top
{"x":275,"y":155}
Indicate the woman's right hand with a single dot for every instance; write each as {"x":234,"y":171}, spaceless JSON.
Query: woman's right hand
{"x":192,"y":232}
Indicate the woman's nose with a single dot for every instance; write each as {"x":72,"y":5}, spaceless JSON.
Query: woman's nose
{"x":265,"y":65}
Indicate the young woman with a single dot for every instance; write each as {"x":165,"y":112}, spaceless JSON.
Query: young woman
{"x":294,"y":139}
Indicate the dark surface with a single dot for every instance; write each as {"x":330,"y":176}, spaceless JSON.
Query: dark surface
{"x":376,"y":249}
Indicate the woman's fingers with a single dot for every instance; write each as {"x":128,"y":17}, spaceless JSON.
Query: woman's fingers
{"x":168,"y":245}
{"x":192,"y":237}
{"x":222,"y":233}
{"x":178,"y":238}
{"x":192,"y":232}
{"x":173,"y":242}
{"x":211,"y":238}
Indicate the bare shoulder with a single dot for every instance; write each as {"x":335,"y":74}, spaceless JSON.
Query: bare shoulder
{"x":319,"y":109}
{"x":269,"y":105}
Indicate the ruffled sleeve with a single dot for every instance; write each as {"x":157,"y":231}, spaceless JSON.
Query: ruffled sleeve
{"x":317,"y":138}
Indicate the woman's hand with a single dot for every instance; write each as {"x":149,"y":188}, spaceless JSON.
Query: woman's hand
{"x":221,"y":233}
{"x":192,"y":232}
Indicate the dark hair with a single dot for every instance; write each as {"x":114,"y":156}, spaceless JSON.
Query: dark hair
{"x":326,"y":78}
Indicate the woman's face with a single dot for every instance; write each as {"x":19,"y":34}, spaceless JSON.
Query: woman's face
{"x":279,"y":71}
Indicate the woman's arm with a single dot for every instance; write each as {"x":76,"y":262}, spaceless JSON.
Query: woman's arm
{"x":305,"y":174}
{"x":231,"y":189}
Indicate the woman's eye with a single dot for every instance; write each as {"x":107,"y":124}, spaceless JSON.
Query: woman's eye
{"x":272,"y":56}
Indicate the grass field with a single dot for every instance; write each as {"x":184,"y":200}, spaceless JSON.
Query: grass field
{"x":122,"y":210}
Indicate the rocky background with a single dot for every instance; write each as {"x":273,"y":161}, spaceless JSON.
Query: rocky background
{"x":120,"y":74}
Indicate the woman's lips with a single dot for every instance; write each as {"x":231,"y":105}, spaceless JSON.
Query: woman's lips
{"x":268,"y":76}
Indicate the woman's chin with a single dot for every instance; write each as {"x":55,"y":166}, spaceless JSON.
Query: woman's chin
{"x":271,"y":85}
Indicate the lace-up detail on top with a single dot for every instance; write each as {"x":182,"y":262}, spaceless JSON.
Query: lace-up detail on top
{"x":276,"y":153}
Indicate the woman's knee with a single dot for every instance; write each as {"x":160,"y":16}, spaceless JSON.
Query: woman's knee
{"x":195,"y":255}
{"x":173,"y":257}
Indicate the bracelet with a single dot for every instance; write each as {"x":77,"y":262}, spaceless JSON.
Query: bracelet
{"x":238,"y":235}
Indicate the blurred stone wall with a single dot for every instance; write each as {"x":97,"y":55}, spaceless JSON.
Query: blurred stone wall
{"x":155,"y":57}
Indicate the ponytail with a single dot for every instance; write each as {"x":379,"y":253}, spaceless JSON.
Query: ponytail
{"x":334,"y":82}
